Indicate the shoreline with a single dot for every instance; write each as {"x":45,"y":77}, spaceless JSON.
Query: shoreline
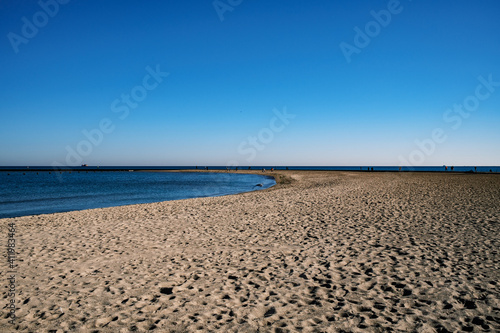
{"x":280,"y":177}
{"x":242,"y":170}
{"x":319,"y":251}
{"x":363,"y":169}
{"x":263,"y":179}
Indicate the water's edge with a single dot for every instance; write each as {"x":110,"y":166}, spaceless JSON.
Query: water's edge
{"x":192,"y":193}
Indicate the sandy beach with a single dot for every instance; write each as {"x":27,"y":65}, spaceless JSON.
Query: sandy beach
{"x":319,"y":252}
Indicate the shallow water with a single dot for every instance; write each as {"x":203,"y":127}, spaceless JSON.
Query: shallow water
{"x":33,"y":193}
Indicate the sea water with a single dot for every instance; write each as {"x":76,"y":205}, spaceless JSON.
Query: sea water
{"x":31,"y":193}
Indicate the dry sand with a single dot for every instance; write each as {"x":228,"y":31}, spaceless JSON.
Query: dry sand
{"x":327,"y":252}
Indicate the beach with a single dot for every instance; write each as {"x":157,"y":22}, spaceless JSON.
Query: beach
{"x":322,"y":251}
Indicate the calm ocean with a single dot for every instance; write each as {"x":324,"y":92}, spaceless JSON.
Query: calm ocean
{"x":31,"y":193}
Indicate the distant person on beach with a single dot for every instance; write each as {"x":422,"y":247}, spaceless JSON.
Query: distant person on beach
{"x":452,"y":168}
{"x":263,"y":170}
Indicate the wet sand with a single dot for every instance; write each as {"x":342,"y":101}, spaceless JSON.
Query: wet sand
{"x":319,"y":252}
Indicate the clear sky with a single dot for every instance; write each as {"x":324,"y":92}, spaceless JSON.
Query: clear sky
{"x":250,"y":82}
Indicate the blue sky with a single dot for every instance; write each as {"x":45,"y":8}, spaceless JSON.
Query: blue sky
{"x":228,"y":79}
